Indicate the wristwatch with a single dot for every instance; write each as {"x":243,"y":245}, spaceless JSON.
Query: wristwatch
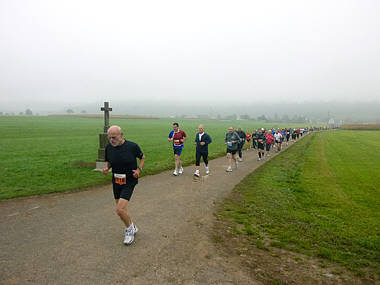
{"x":140,"y":168}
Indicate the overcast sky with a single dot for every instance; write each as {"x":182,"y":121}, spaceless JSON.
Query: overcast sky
{"x":85,"y":51}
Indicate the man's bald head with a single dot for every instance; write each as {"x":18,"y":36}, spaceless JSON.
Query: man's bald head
{"x":115,"y":135}
{"x":114,"y":130}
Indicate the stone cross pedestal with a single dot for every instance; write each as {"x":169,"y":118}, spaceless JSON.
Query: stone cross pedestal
{"x":103,"y":138}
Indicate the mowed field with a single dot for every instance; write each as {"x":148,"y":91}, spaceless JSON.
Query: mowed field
{"x":321,"y":198}
{"x":50,"y":154}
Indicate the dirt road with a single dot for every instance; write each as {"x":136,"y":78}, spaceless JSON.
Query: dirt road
{"x":76,"y":238}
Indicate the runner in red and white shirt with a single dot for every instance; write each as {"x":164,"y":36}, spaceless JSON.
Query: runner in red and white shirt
{"x":178,"y":138}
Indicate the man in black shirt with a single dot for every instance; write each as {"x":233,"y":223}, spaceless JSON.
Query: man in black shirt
{"x":121,"y":155}
{"x":242,"y":136}
{"x":261,"y":140}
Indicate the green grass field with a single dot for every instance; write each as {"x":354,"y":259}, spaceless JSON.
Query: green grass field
{"x":321,"y":197}
{"x":40,"y":154}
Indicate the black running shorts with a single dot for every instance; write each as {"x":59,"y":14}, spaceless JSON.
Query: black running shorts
{"x":124,"y":191}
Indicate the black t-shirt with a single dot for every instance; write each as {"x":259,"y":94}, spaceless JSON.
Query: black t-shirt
{"x":123,"y":158}
{"x":261,"y":138}
{"x":242,"y":135}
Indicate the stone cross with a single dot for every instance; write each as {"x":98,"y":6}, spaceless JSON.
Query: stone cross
{"x":103,"y":138}
{"x":106,"y":110}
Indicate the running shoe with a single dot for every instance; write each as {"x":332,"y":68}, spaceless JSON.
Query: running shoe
{"x":207,"y":171}
{"x":259,"y":159}
{"x":196,"y":173}
{"x":180,"y":170}
{"x":175,"y":173}
{"x":229,"y":169}
{"x":130,"y":235}
{"x":240,"y":159}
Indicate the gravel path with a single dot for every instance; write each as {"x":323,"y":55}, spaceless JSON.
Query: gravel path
{"x":76,"y":238}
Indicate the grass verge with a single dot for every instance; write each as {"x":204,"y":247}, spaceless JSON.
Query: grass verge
{"x":320,"y":198}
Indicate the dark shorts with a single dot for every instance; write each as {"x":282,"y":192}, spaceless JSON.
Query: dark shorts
{"x":232,"y":151}
{"x":177,"y":151}
{"x":124,"y":191}
{"x":260,"y":145}
{"x":198,"y":156}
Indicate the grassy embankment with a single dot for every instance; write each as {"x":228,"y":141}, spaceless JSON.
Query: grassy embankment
{"x":42,"y":154}
{"x":321,"y":198}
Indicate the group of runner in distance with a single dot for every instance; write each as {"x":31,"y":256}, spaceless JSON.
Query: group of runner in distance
{"x":262,"y":140}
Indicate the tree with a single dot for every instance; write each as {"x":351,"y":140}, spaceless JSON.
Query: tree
{"x":28,"y":112}
{"x":69,"y":111}
{"x":285,"y":118}
{"x":262,"y":118}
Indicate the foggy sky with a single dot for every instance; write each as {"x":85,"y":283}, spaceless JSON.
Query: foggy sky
{"x":72,"y":52}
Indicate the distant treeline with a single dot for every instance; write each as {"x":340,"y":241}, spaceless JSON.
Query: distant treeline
{"x":102,"y":115}
{"x":361,"y":127}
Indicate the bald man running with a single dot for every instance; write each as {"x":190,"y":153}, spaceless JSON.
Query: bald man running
{"x":202,"y":140}
{"x":121,"y":155}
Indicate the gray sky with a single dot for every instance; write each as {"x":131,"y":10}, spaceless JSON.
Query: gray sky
{"x":77,"y":51}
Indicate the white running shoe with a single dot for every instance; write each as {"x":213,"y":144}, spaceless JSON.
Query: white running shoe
{"x":207,"y":171}
{"x":196,"y":173}
{"x":229,"y":169}
{"x":240,"y":159}
{"x":180,"y":170}
{"x":130,"y":235}
{"x":175,"y":173}
{"x":259,"y":159}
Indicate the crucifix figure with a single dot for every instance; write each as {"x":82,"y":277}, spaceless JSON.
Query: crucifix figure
{"x":106,"y":110}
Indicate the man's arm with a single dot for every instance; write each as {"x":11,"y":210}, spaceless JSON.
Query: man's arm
{"x":171,"y":138}
{"x":107,"y":168}
{"x":184,"y":137}
{"x":137,"y":172}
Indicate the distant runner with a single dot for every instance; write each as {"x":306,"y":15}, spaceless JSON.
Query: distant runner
{"x":261,"y":139}
{"x":232,"y":141}
{"x":269,"y":140}
{"x":278,"y":139}
{"x":242,"y":136}
{"x":248,"y":139}
{"x":202,"y":140}
{"x":178,"y":138}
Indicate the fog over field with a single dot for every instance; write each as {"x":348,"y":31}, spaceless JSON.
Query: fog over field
{"x":173,"y":57}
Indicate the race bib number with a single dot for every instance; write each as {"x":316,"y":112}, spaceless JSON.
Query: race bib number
{"x":120,"y":179}
{"x":177,"y":142}
{"x":229,"y":143}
